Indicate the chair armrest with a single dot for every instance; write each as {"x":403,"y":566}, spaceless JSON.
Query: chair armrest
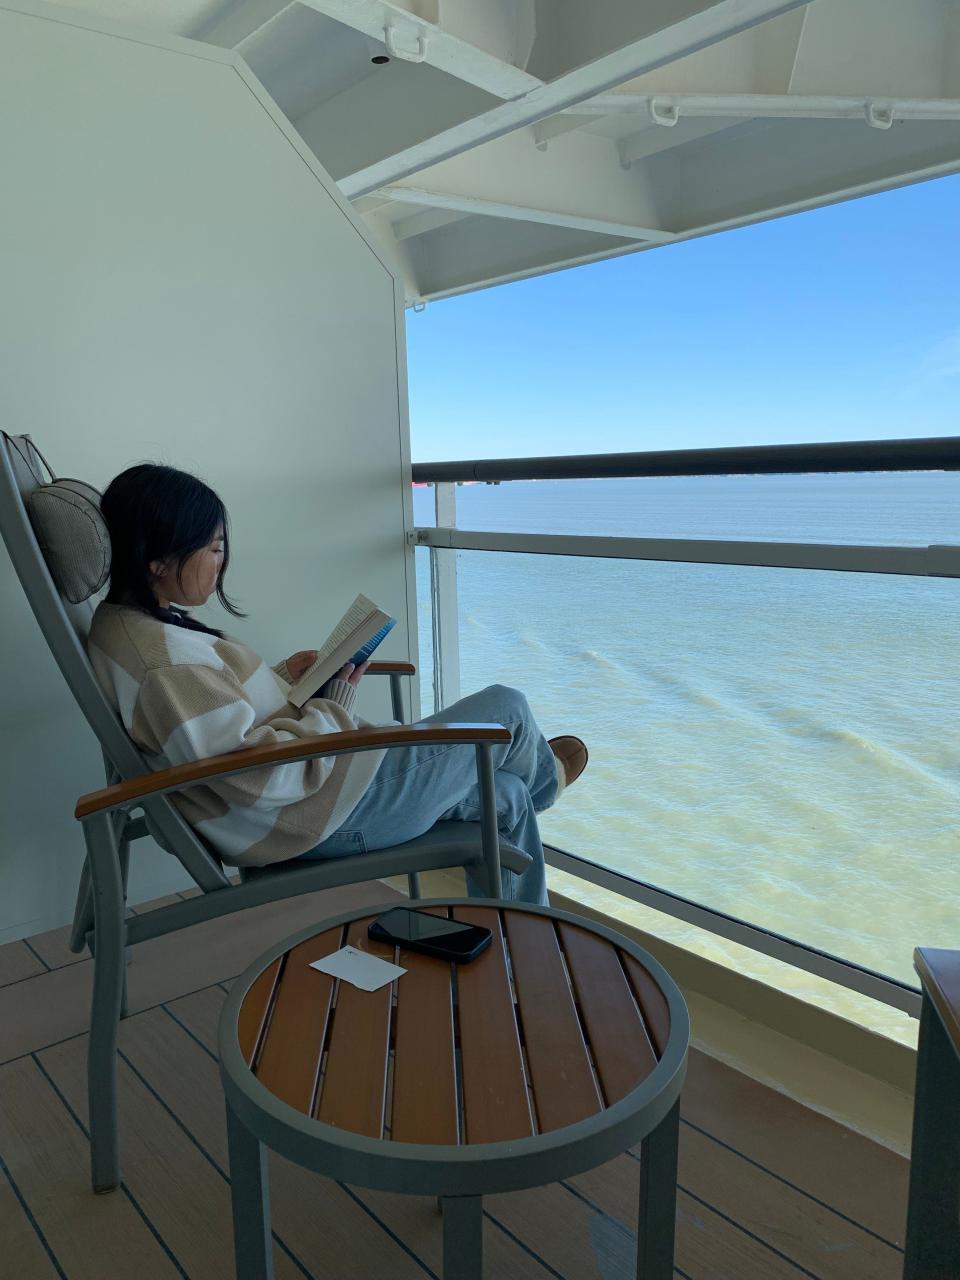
{"x":123,"y":794}
{"x":389,"y":667}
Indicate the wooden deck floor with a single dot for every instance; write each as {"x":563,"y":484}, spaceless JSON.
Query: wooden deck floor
{"x":768,"y":1189}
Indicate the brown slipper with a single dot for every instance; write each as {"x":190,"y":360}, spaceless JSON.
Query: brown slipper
{"x":572,"y":754}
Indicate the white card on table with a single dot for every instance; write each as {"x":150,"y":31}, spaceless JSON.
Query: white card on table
{"x":360,"y":970}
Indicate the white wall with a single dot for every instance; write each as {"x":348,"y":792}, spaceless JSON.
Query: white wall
{"x":181,"y":283}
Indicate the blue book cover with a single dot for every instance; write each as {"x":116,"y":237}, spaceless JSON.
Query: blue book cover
{"x":363,"y":654}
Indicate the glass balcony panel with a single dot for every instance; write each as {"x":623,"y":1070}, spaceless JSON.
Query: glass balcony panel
{"x":777,"y":744}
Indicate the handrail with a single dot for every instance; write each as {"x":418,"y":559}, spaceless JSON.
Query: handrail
{"x":928,"y":454}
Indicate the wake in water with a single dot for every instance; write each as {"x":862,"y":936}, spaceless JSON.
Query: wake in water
{"x":797,"y":722}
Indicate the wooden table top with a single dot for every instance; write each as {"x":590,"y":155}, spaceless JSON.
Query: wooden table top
{"x":550,"y":1025}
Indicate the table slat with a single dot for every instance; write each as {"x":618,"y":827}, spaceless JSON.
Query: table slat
{"x":495,"y":1103}
{"x":354,"y":1084}
{"x":254,"y":1010}
{"x":290,"y":1057}
{"x":621,"y":1046}
{"x":652,"y":1002}
{"x":564,"y":1089}
{"x":424,"y":1065}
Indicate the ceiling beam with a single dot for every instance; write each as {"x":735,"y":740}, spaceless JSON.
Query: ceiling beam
{"x":703,"y":24}
{"x":578,"y":183}
{"x":413,"y":39}
{"x":241,"y":23}
{"x":418,"y":224}
{"x":651,"y":140}
{"x":467,"y":205}
{"x":881,"y":112}
{"x":754,"y":172}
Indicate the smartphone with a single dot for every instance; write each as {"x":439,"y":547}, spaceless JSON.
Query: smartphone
{"x":433,"y":935}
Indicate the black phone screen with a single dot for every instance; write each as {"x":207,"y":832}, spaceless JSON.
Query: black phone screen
{"x":416,"y":926}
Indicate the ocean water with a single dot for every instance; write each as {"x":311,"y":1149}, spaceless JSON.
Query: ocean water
{"x":781,"y":744}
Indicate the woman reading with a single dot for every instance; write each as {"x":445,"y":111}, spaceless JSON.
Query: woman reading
{"x":184,"y":691}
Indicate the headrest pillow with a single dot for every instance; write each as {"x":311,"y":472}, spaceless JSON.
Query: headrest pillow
{"x":73,"y":536}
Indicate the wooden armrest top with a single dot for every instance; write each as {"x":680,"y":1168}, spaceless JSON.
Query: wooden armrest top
{"x":939,"y":972}
{"x":389,"y":667}
{"x":327,"y":744}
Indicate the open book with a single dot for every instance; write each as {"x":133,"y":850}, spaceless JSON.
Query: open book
{"x":353,"y":639}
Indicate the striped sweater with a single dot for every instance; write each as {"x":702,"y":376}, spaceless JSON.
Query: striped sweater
{"x":183,"y":695}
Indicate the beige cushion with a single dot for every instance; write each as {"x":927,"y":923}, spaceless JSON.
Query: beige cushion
{"x":72,"y":535}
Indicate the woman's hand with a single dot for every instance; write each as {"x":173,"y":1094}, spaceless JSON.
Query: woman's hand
{"x":350,"y":673}
{"x":299,"y":663}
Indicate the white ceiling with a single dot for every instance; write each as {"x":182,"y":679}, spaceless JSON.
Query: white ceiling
{"x":510,"y":137}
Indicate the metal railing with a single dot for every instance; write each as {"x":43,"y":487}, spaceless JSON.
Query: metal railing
{"x":931,"y":454}
{"x":847,"y":456}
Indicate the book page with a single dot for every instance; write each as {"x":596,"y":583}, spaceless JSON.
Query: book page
{"x":348,"y":624}
{"x":360,"y":621}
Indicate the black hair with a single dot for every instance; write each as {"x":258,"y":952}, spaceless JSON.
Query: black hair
{"x":158,"y":513}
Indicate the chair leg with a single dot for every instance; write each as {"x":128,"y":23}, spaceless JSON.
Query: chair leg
{"x":124,"y":859}
{"x":108,"y":980}
{"x":489,"y":834}
{"x":413,"y":884}
{"x":83,"y":911}
{"x":396,"y":697}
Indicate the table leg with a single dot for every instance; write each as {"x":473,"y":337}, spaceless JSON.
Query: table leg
{"x":462,"y":1237}
{"x":249,"y":1191}
{"x":658,"y":1199}
{"x":933,"y":1215}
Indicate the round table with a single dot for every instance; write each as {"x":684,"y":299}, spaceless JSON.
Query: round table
{"x":559,"y":1047}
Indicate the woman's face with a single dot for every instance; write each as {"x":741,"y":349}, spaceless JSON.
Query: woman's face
{"x":197,"y":579}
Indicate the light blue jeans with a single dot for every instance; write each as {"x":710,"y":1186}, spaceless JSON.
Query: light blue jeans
{"x":418,"y":786}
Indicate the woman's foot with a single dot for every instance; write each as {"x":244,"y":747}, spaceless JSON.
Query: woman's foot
{"x":572,"y":757}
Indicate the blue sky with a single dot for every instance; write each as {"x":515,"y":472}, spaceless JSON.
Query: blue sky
{"x":841,"y":323}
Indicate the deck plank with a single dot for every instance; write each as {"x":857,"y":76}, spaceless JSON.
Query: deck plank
{"x":815,"y":1153}
{"x":808,"y":1233}
{"x":320,"y":1222}
{"x":53,"y":1006}
{"x":47,"y":1154}
{"x":577,"y":1240}
{"x":185,"y":1198}
{"x":154,"y":904}
{"x":24,"y":1256}
{"x":17,"y":962}
{"x":52,"y":947}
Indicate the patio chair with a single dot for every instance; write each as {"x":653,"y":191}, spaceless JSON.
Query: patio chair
{"x":60,"y":549}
